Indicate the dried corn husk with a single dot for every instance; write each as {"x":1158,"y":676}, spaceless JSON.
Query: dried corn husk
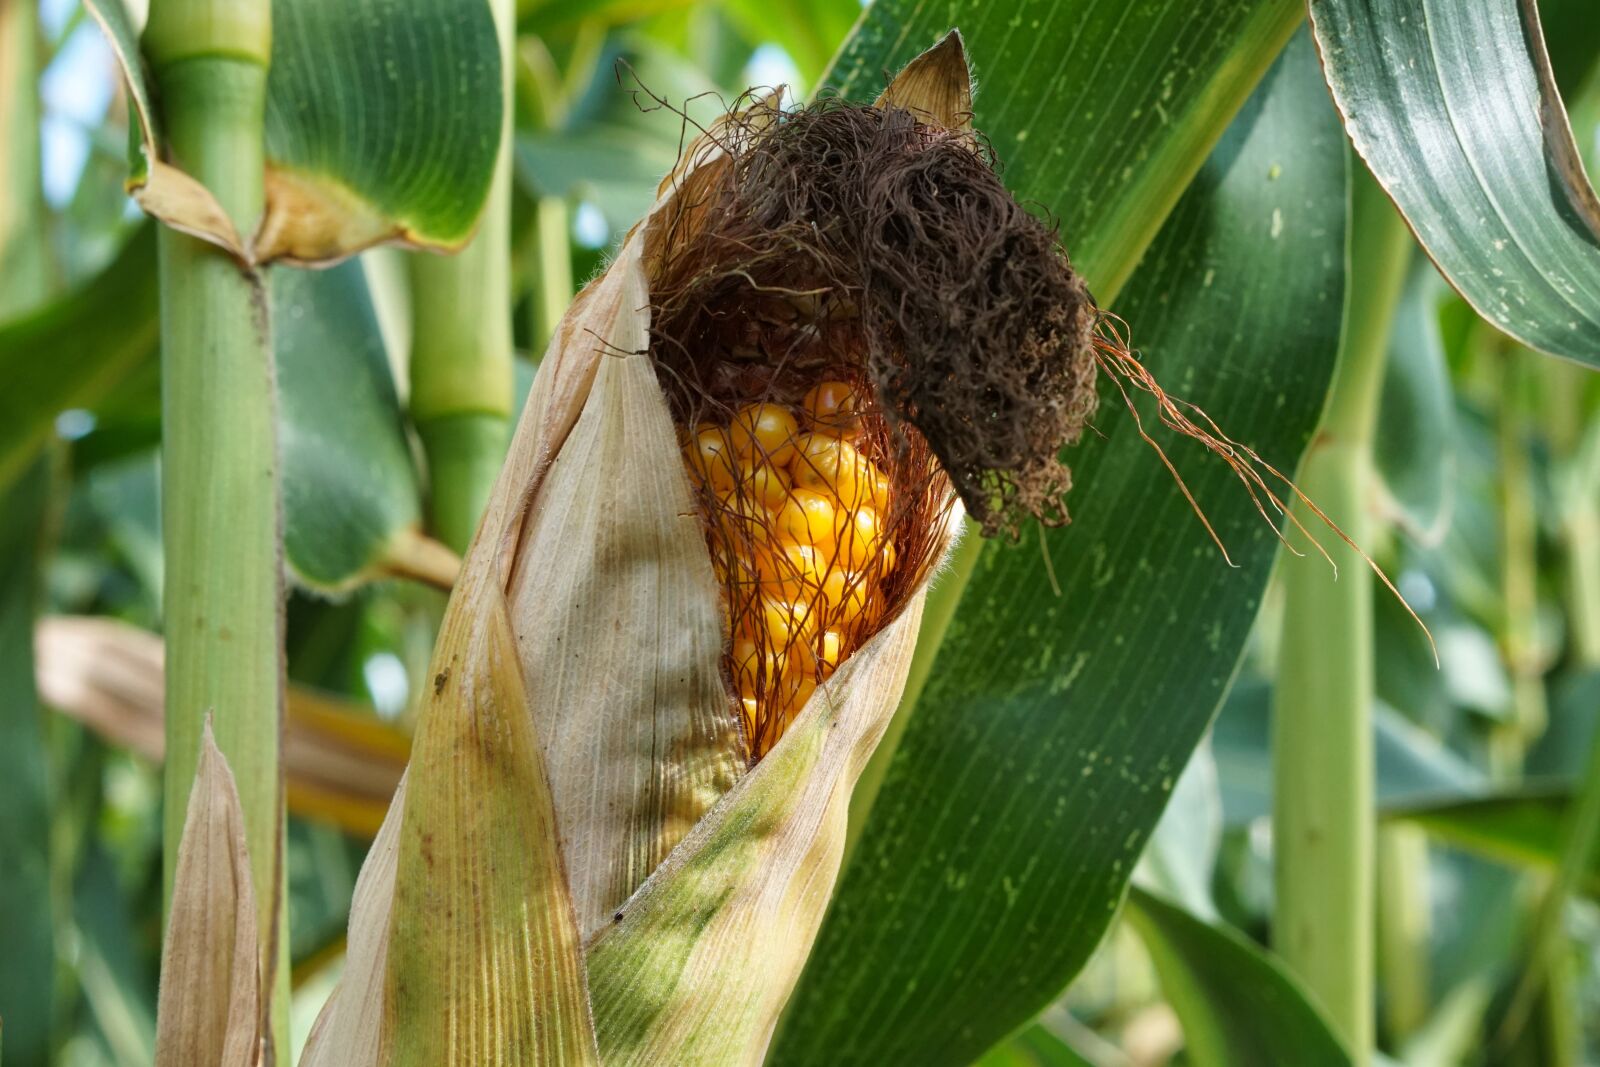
{"x":210,"y":1000}
{"x":698,"y":885}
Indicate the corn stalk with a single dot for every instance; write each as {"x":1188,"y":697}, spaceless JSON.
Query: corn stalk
{"x":461,"y":381}
{"x":1322,"y":726}
{"x":220,"y":482}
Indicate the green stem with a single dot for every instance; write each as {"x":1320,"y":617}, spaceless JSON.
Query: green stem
{"x":1518,"y":568}
{"x":461,"y":374}
{"x":1322,"y":726}
{"x":1403,"y":928}
{"x":552,"y":270}
{"x":23,"y":247}
{"x":220,"y":501}
{"x":1578,"y":501}
{"x":1581,"y":841}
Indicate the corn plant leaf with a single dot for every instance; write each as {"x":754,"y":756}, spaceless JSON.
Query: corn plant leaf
{"x":1412,"y":765}
{"x":210,"y":1005}
{"x":1455,"y":110}
{"x":350,"y":490}
{"x":72,"y":352}
{"x":1053,"y":726}
{"x":27,"y":914}
{"x":1033,"y":1047}
{"x":479,"y":888}
{"x":1238,"y":1006}
{"x":164,"y":191}
{"x":408,"y":158}
{"x":696,"y":966}
{"x":1522,"y":826}
{"x":1415,"y":447}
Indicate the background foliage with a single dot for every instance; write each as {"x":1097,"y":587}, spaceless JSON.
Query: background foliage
{"x":1198,"y":170}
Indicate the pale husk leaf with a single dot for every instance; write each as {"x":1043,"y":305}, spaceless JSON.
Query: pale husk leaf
{"x":697,"y":966}
{"x":936,"y":85}
{"x":619,"y":630}
{"x":209,"y":1008}
{"x":484,"y":962}
{"x":349,"y":1029}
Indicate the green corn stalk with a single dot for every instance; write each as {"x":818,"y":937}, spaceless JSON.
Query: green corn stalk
{"x":220,"y":481}
{"x":461,"y":377}
{"x":1322,"y":724}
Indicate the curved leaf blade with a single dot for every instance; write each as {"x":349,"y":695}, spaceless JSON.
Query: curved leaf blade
{"x":75,"y":350}
{"x":1238,"y":1005}
{"x":383,"y":123}
{"x":27,"y":908}
{"x":1454,"y":108}
{"x":1109,"y":156}
{"x":1051,"y":731}
{"x":350,"y":490}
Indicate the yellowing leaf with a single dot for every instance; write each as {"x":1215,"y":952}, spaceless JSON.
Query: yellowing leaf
{"x":210,"y":1008}
{"x":484,"y":963}
{"x":349,"y":1031}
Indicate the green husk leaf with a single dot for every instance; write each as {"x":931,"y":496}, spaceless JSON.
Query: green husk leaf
{"x":698,"y":964}
{"x":620,"y":631}
{"x":479,"y":887}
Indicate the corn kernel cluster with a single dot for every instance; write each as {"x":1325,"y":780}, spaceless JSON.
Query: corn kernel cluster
{"x":801,"y":542}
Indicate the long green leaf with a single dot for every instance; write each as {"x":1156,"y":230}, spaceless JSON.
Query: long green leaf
{"x":1521,"y":826}
{"x":350,"y":493}
{"x":27,"y":977}
{"x":1238,"y":1005}
{"x":75,"y":350}
{"x":383,"y":121}
{"x":1455,"y":110}
{"x":1034,"y":1047}
{"x":1053,"y":727}
{"x":1414,"y":447}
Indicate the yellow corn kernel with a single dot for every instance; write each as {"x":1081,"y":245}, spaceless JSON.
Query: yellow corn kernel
{"x":807,"y":517}
{"x":789,"y":570}
{"x":764,"y":431}
{"x":833,"y":408}
{"x":845,"y":592}
{"x":710,"y":452}
{"x":828,"y":648}
{"x":859,"y":535}
{"x":786,"y":622}
{"x":872,"y":486}
{"x":755,"y":667}
{"x":826,"y":464}
{"x":764,"y":482}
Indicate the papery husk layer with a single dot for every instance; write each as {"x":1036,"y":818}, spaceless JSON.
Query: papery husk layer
{"x":210,"y":1006}
{"x":699,"y":890}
